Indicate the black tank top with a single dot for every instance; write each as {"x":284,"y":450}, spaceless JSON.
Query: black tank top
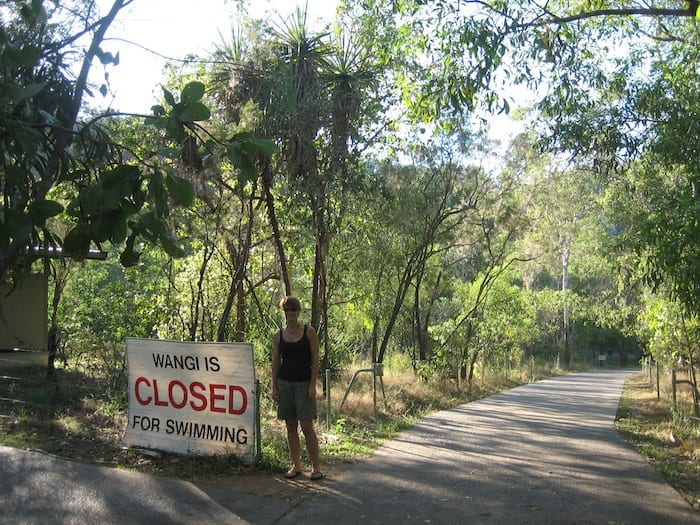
{"x":295,"y":359}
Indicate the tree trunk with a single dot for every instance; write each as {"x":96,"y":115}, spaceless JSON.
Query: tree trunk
{"x":198,"y":293}
{"x":239,"y":259}
{"x":241,"y":318}
{"x":404,"y":283}
{"x":423,"y":321}
{"x":566,"y":354}
{"x":60,"y":278}
{"x":266,"y":178}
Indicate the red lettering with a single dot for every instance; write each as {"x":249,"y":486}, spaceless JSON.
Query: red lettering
{"x":197,"y":390}
{"x":214,"y":397}
{"x":183,"y":394}
{"x":231,"y":399}
{"x":232,"y":389}
{"x":155,"y":392}
{"x":137,"y":392}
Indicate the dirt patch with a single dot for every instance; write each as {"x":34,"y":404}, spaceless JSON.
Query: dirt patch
{"x":275,"y":485}
{"x":264,"y":497}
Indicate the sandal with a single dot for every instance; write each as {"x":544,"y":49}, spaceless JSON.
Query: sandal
{"x":291,"y":474}
{"x":316,"y":476}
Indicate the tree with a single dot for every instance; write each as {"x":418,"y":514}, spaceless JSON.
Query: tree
{"x":563,"y":202}
{"x":675,"y":339}
{"x":614,"y":82}
{"x":57,"y":160}
{"x":634,"y":122}
{"x":474,"y":45}
{"x":302,"y":90}
{"x":423,"y":217}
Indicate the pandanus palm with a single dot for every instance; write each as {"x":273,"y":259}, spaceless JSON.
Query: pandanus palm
{"x":306,"y":90}
{"x":245,"y":90}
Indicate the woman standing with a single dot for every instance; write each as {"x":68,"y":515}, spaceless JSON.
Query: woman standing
{"x":295,"y":361}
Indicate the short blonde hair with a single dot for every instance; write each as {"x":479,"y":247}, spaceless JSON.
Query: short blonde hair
{"x":290,"y":302}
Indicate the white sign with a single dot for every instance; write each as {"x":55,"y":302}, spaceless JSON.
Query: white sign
{"x":191,"y":397}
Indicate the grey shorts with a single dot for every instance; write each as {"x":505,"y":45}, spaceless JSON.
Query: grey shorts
{"x":294,"y":402}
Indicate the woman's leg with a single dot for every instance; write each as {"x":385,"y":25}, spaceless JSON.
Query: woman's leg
{"x":307,"y":426}
{"x":294,"y":443}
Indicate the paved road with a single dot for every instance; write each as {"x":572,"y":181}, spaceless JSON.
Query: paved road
{"x":541,"y":453}
{"x":544,"y":453}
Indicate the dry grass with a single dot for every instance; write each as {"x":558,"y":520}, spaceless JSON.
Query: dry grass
{"x":670,"y":442}
{"x":89,"y":427}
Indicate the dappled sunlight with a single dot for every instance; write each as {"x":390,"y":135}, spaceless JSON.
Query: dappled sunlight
{"x":534,"y":449}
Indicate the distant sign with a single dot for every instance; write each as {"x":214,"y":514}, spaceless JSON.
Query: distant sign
{"x":191,"y":397}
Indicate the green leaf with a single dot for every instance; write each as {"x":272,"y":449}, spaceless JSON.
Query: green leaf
{"x":29,"y":56}
{"x":250,"y":142}
{"x":160,"y":122}
{"x":193,"y":91}
{"x":19,"y":225}
{"x":158,"y":111}
{"x":139,"y":198}
{"x":110,"y":225}
{"x":101,"y":227}
{"x":246,"y":174}
{"x":240,"y":151}
{"x":181,"y":190}
{"x":15,"y":177}
{"x":39,"y":211}
{"x":19,"y":94}
{"x":157,"y":193}
{"x":119,"y":183}
{"x":169,"y":98}
{"x":153,"y":224}
{"x":175,"y":129}
{"x":77,"y":243}
{"x":91,"y":199}
{"x":129,"y":256}
{"x":171,"y":246}
{"x":196,"y":111}
{"x":119,"y":229}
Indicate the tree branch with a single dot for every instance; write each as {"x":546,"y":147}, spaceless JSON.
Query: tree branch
{"x":651,"y":12}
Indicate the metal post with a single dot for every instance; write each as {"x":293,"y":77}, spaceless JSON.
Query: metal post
{"x":673,"y":386}
{"x":379,"y":372}
{"x":374,"y":390}
{"x":328,"y":399}
{"x":658,"y":391}
{"x":258,"y":437}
